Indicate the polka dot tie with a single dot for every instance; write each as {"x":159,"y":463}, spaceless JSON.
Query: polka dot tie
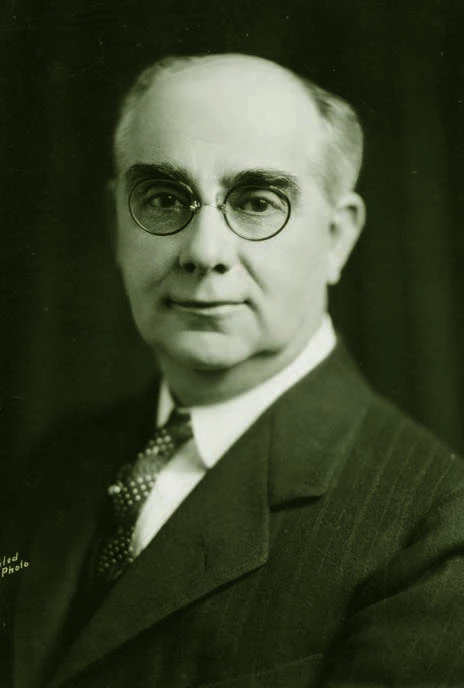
{"x":133,"y":485}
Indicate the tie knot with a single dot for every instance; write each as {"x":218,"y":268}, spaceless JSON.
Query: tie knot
{"x":179,"y":426}
{"x":167,"y":438}
{"x":164,"y":443}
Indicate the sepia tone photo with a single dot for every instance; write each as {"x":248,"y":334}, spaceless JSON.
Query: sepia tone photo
{"x":232,"y":325}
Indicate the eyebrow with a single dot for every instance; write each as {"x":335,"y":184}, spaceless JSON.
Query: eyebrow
{"x":163,"y":170}
{"x":265,"y":177}
{"x":284,"y":181}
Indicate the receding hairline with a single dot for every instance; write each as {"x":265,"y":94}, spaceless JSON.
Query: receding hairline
{"x":340,"y":126}
{"x":168,"y":67}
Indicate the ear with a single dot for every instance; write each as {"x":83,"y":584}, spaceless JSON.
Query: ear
{"x":346,"y":226}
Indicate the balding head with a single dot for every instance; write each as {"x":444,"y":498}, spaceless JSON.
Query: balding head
{"x":244,"y":79}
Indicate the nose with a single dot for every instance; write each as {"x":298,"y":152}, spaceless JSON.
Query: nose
{"x":208,"y":243}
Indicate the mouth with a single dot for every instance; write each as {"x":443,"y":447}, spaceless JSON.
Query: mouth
{"x":206,"y":308}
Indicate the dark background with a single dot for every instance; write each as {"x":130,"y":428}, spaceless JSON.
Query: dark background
{"x":67,"y":341}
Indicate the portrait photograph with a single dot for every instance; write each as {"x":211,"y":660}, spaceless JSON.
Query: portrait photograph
{"x":232,"y":336}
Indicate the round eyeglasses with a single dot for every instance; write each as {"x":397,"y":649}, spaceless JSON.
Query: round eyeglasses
{"x":254,"y":213}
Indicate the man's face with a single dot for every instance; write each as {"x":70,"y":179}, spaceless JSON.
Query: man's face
{"x":205,"y":298}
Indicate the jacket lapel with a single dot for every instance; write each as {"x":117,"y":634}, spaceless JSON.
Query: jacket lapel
{"x":314,"y":425}
{"x":218,"y":534}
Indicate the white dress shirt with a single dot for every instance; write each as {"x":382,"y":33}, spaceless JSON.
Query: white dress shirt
{"x":216,"y":427}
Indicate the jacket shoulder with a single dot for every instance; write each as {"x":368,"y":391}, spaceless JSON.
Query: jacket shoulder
{"x":390,"y":436}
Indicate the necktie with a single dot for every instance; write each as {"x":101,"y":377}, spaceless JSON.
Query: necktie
{"x":133,"y":485}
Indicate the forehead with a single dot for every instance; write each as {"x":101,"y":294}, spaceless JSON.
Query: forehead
{"x":223,"y":116}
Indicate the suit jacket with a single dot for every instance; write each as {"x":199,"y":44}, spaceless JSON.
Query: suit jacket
{"x":324,"y":549}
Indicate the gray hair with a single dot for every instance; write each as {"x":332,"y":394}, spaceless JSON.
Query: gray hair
{"x":340,"y":123}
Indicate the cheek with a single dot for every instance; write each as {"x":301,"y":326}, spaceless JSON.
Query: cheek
{"x":144,"y":259}
{"x":292,"y":269}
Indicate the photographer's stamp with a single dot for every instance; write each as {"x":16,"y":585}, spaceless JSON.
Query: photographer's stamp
{"x":10,"y":564}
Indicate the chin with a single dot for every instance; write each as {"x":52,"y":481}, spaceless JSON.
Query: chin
{"x":207,"y":351}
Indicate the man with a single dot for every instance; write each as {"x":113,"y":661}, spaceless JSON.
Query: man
{"x":285,"y":526}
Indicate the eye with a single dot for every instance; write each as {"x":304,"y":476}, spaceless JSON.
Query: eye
{"x":256,"y":201}
{"x":256,"y":204}
{"x":161,"y":199}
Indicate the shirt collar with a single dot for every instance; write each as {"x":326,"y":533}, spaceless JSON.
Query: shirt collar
{"x":217,"y":426}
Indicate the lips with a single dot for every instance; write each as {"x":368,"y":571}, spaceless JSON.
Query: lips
{"x":205,"y":307}
{"x":196,"y":303}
